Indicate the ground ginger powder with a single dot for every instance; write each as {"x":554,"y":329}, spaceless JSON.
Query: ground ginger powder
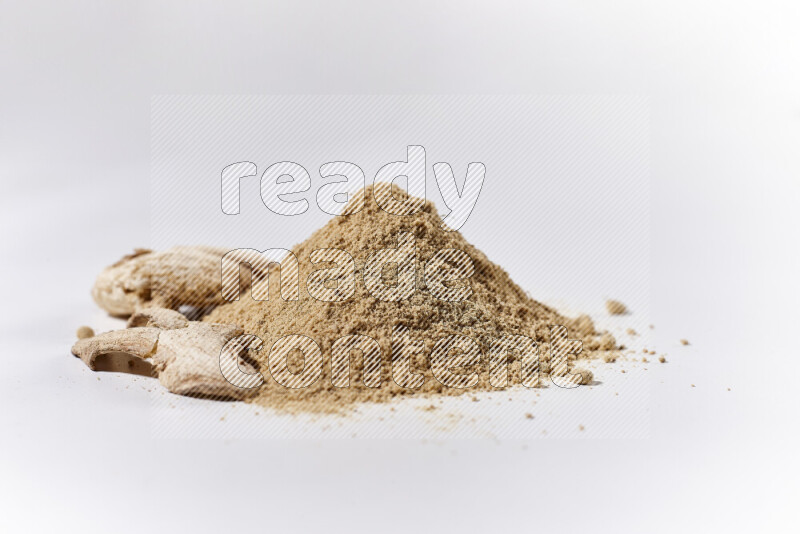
{"x":496,"y":307}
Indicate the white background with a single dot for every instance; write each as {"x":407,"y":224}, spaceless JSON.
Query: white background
{"x":722,"y":78}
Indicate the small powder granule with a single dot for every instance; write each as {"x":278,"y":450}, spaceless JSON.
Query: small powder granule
{"x":586,"y":376}
{"x":84,"y":332}
{"x":615,"y":307}
{"x":496,"y":307}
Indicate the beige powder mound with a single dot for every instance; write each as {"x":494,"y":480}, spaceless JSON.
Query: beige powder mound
{"x":497,"y":307}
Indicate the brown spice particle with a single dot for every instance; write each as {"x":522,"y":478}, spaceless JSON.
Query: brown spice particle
{"x":662,"y":359}
{"x":586,"y":376}
{"x":185,"y":359}
{"x":684,"y":341}
{"x":615,"y":307}
{"x":84,"y":332}
{"x":607,"y":342}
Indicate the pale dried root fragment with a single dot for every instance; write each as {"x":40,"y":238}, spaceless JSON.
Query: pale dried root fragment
{"x":615,"y":307}
{"x":125,"y":351}
{"x":187,"y":361}
{"x":158,"y":318}
{"x":117,"y":289}
{"x":607,"y":342}
{"x":185,"y":276}
{"x":603,"y":342}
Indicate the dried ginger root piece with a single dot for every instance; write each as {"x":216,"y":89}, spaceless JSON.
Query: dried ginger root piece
{"x":158,"y":318}
{"x":187,"y":361}
{"x":184,"y":358}
{"x":174,"y":278}
{"x":126,"y":351}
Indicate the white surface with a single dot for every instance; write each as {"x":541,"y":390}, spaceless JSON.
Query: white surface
{"x":722,"y":77}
